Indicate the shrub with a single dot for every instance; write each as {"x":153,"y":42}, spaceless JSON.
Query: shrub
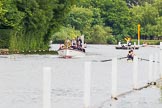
{"x":111,"y":40}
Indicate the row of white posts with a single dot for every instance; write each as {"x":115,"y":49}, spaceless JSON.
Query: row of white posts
{"x":152,"y":74}
{"x":47,"y":86}
{"x":87,"y":80}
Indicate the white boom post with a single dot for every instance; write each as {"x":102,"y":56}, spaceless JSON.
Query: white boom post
{"x":114,"y":78}
{"x":87,"y":85}
{"x":150,"y":75}
{"x":135,"y":73}
{"x":161,"y":60}
{"x":46,"y":87}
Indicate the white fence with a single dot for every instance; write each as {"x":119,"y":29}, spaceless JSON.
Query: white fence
{"x":152,"y":76}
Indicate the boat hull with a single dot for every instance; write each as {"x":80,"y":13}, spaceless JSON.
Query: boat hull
{"x":69,"y":53}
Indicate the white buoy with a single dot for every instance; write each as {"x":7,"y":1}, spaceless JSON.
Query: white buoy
{"x":87,"y":85}
{"x":135,"y":73}
{"x":46,"y":87}
{"x":150,"y":74}
{"x":114,"y":78}
{"x":161,"y":60}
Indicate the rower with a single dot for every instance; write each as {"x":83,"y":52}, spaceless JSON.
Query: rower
{"x":130,"y":55}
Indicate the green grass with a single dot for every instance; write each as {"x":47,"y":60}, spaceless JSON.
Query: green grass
{"x":149,"y":42}
{"x":40,"y":52}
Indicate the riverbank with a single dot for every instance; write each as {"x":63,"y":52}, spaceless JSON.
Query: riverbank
{"x":40,"y":52}
{"x":148,"y":42}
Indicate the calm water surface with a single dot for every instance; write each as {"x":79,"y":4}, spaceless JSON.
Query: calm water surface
{"x":21,"y":80}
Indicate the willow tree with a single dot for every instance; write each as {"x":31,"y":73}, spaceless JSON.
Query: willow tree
{"x":33,"y":26}
{"x":33,"y":21}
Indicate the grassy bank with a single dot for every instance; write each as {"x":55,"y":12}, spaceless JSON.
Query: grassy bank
{"x":149,"y":42}
{"x":40,"y":52}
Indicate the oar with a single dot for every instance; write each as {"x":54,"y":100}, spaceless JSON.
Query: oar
{"x":147,"y":60}
{"x":109,"y":59}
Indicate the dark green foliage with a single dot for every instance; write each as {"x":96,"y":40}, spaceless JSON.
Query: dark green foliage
{"x":116,"y":15}
{"x":100,"y":34}
{"x":4,"y":37}
{"x":33,"y":22}
{"x":111,"y":40}
{"x":138,"y":2}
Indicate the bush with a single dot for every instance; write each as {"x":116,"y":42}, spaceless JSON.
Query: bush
{"x":111,"y":40}
{"x":64,"y":33}
{"x":99,"y":34}
{"x":4,"y":38}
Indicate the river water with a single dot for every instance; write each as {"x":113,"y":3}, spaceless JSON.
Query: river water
{"x":21,"y":79}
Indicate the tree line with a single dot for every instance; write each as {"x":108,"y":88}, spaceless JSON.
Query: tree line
{"x":31,"y":24}
{"x":109,"y":21}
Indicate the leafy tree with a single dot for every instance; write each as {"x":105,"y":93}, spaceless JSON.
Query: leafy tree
{"x":100,"y":34}
{"x":1,"y":10}
{"x":64,"y":33}
{"x":97,"y":20}
{"x":116,"y":15}
{"x":158,"y":5}
{"x":9,"y":21}
{"x":31,"y":24}
{"x":138,"y":2}
{"x":33,"y":21}
{"x":80,"y":18}
{"x":11,"y":17}
{"x":158,"y":27}
{"x":146,"y":16}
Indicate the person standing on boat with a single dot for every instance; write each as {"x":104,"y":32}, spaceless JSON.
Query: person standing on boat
{"x":79,"y":44}
{"x":79,"y":41}
{"x":67,"y":43}
{"x":74,"y":43}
